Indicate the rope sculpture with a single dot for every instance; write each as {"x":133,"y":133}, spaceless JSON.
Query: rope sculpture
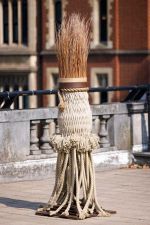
{"x":74,"y":193}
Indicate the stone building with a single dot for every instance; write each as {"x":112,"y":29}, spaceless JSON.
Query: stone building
{"x":18,"y":47}
{"x":119,"y":53}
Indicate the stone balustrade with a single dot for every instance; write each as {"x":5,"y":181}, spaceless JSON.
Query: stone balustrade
{"x":24,"y":136}
{"x":41,"y":145}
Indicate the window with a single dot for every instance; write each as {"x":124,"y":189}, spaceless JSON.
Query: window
{"x":15,"y":83}
{"x":102,"y":28}
{"x":103,"y":82}
{"x":58,"y":14}
{"x":5,"y":22}
{"x":101,"y":77}
{"x":13,"y":22}
{"x":103,"y":21}
{"x":24,"y":22}
{"x":54,"y":18}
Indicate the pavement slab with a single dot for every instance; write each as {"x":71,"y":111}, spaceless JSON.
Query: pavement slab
{"x":125,"y":190}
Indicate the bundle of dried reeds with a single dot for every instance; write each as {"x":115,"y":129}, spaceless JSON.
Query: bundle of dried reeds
{"x":72,"y":43}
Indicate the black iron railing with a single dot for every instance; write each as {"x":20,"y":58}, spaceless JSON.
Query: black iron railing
{"x":135,"y":93}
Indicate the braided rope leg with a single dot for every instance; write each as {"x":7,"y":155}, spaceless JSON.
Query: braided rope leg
{"x":61,"y":180}
{"x":58,"y":170}
{"x":99,"y":209}
{"x":71,"y":184}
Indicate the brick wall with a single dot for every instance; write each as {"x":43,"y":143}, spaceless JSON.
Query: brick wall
{"x":148,"y":21}
{"x":44,"y":23}
{"x":131,"y":31}
{"x":133,"y":24}
{"x":78,"y":6}
{"x":133,"y":71}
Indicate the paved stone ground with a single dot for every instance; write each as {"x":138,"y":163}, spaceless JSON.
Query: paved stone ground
{"x":124,"y":190}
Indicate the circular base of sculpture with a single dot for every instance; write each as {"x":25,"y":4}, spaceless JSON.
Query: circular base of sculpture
{"x":73,"y":212}
{"x":74,"y":193}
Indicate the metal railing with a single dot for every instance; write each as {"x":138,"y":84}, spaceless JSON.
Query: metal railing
{"x":135,"y":93}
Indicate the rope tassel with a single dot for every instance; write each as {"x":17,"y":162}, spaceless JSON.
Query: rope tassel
{"x":61,"y":105}
{"x":73,"y":204}
{"x":74,"y":193}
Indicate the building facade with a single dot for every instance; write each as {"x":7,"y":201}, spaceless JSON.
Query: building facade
{"x":120,"y":43}
{"x":119,"y":51}
{"x":18,"y":48}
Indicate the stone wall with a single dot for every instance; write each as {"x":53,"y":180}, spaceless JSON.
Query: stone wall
{"x":25,"y":151}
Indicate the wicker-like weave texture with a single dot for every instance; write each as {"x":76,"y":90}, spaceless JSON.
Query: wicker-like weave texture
{"x":75,"y":123}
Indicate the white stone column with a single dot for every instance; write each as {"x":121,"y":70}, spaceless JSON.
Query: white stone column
{"x":11,"y":89}
{"x":139,"y":127}
{"x":50,"y":73}
{"x":52,"y":127}
{"x":109,"y":21}
{"x":32,"y":86}
{"x":32,"y":26}
{"x":95,"y":16}
{"x":50,"y":38}
{"x":20,"y":99}
{"x":139,"y":133}
{"x":32,"y":81}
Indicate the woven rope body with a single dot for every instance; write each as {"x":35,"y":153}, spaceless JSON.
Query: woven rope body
{"x":74,"y":193}
{"x":75,"y":123}
{"x":76,"y":117}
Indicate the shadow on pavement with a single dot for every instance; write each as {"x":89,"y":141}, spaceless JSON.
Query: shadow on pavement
{"x":17,"y":203}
